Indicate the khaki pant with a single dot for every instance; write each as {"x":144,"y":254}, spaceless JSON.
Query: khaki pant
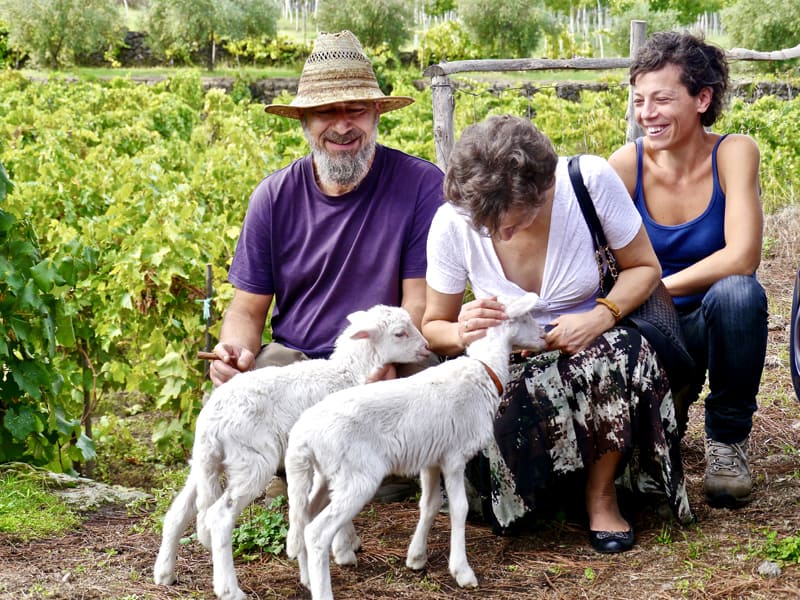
{"x":276,"y":354}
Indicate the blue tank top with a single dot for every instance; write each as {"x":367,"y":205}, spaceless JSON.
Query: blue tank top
{"x":679,"y":246}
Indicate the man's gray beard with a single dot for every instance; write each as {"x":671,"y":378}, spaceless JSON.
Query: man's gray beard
{"x":344,"y":169}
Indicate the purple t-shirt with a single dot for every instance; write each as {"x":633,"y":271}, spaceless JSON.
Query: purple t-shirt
{"x":324,"y":257}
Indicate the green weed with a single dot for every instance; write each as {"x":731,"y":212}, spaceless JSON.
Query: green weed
{"x":665,"y":536}
{"x":28,"y":510}
{"x":263,"y":531}
{"x":785,"y":550}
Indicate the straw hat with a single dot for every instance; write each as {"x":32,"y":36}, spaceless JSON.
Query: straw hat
{"x":337,"y":70}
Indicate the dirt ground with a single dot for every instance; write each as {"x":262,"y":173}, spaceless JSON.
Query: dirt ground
{"x":108,"y":558}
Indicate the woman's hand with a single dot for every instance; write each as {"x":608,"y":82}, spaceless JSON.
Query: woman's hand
{"x":478,"y":315}
{"x":572,"y":333}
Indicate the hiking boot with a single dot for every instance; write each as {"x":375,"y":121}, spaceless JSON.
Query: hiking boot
{"x":727,"y":483}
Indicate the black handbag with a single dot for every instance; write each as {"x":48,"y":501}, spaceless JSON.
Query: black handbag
{"x":656,"y":319}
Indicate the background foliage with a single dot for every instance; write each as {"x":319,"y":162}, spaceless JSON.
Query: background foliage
{"x":58,"y":32}
{"x":124,"y":192}
{"x":374,"y":22}
{"x":764,"y":25}
{"x":510,"y":28}
{"x":54,"y":34}
{"x":35,"y":423}
{"x":177,"y":28}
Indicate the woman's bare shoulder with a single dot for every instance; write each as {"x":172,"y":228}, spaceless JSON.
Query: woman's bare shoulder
{"x":623,"y":161}
{"x":737,"y":150}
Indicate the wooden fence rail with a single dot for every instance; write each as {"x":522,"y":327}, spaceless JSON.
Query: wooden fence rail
{"x":444,"y":102}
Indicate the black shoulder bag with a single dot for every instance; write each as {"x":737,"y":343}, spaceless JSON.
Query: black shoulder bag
{"x":656,"y":319}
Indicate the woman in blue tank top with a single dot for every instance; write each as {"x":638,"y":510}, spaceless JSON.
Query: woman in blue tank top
{"x":699,"y":197}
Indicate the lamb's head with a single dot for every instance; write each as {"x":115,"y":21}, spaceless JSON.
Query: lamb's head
{"x":525,"y":332}
{"x":390,"y":331}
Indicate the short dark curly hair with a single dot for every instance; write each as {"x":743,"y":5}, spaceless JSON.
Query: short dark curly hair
{"x":499,"y":164}
{"x":702,"y":65}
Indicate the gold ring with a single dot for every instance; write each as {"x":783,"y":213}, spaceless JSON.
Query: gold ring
{"x":466,"y":325}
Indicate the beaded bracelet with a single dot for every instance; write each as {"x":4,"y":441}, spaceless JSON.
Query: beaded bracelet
{"x":610,"y":306}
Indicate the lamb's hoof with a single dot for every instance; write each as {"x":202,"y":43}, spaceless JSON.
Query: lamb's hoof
{"x":164,"y":579}
{"x":417,"y":563}
{"x":347,"y":557}
{"x":466,"y":578}
{"x":163,"y":575}
{"x":235,"y":594}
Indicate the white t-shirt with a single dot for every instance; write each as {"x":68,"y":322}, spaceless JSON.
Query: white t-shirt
{"x":570,"y":282}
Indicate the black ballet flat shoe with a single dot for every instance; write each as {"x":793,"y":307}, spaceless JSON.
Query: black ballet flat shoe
{"x":611,"y":542}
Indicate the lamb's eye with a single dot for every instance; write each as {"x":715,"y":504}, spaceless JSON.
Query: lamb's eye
{"x":400,"y":334}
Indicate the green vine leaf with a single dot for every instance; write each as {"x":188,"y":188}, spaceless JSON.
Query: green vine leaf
{"x":21,"y":421}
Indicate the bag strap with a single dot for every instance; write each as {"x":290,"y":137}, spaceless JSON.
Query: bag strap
{"x":585,"y":201}
{"x":603,"y":254}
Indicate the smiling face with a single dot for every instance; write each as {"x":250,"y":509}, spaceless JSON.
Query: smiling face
{"x":342,"y":137}
{"x":663,"y":107}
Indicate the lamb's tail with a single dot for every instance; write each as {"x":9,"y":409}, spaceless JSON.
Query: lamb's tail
{"x":206,"y":472}
{"x":299,"y":465}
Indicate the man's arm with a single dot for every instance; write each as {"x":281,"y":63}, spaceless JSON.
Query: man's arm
{"x":240,"y":335}
{"x":413,"y":299}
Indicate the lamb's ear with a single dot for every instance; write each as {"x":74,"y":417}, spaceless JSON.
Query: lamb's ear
{"x":522,"y":305}
{"x":360,"y":334}
{"x":357,"y":317}
{"x":363,"y":323}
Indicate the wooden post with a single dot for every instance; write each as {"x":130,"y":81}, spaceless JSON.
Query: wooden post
{"x":443,"y":105}
{"x":638,"y":36}
{"x":209,"y":312}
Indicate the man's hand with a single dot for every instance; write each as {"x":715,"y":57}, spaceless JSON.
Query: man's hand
{"x":384,"y":373}
{"x":231,"y":360}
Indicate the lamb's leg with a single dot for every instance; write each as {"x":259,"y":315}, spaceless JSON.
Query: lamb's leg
{"x":176,"y":520}
{"x":307,"y":497}
{"x":346,"y":502}
{"x":429,"y":503}
{"x":246,"y":480}
{"x":206,"y":473}
{"x":457,"y":497}
{"x":221,"y":519}
{"x":346,"y":541}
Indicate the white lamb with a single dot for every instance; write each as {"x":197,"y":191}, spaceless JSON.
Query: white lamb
{"x":242,"y":431}
{"x":431,"y":423}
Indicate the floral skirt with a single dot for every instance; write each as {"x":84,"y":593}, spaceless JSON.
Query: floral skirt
{"x":562,"y":412}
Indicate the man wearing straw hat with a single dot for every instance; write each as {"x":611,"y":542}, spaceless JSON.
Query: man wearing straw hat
{"x":339,"y":230}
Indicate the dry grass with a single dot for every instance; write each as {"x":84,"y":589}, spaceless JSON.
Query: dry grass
{"x":718,"y":558}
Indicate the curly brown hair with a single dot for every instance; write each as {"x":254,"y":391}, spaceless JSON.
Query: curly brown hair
{"x":499,"y":164}
{"x":702,"y":65}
